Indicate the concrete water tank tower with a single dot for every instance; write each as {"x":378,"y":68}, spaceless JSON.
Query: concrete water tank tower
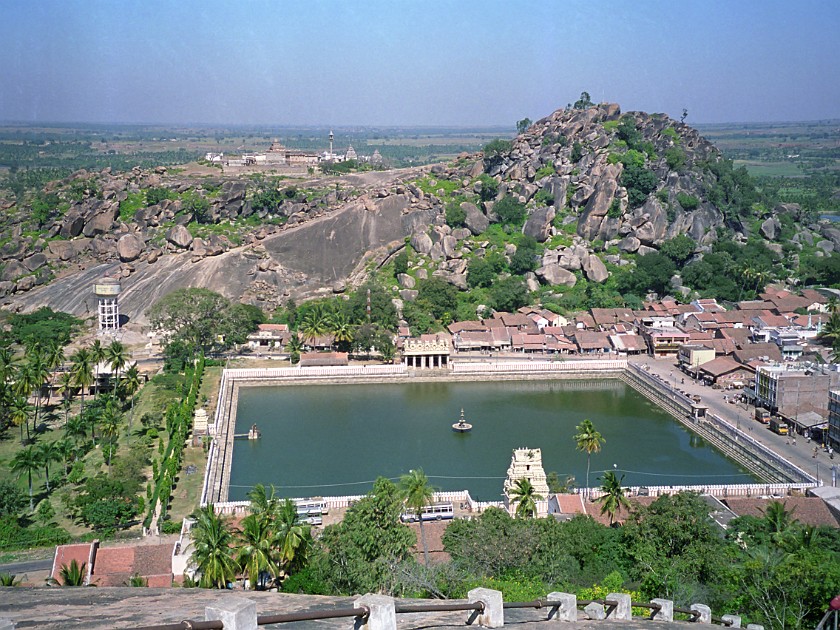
{"x":107,"y":292}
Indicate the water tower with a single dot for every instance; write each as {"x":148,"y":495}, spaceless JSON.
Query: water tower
{"x":107,"y":292}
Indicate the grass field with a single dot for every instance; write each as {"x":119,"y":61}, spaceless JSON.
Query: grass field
{"x":771,"y":169}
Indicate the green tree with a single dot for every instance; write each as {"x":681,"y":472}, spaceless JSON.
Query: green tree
{"x":212,"y":549}
{"x":613,"y":498}
{"x":417,"y":493}
{"x":509,"y":294}
{"x":455,"y":215}
{"x":98,"y":355}
{"x":47,"y":453}
{"x":12,"y":499}
{"x":639,"y":182}
{"x":19,"y":411}
{"x":45,"y":512}
{"x":522,"y":125}
{"x":440,"y":296}
{"x":26,"y":462}
{"x":480,"y":273}
{"x":117,"y":356}
{"x":496,"y":148}
{"x":584,"y":102}
{"x":679,"y":249}
{"x":526,"y":256}
{"x":489,"y":187}
{"x":588,"y":440}
{"x":525,"y":496}
{"x":401,"y":263}
{"x":292,"y":538}
{"x":509,"y":210}
{"x":82,"y":371}
{"x":131,"y":385}
{"x":341,"y":329}
{"x":255,"y":553}
{"x":314,"y":324}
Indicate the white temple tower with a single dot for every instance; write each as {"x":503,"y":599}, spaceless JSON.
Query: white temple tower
{"x":526,"y":463}
{"x":107,"y":292}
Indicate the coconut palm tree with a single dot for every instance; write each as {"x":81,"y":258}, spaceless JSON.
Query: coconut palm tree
{"x":117,"y":356}
{"x":67,"y":450}
{"x":525,"y":496}
{"x":341,"y":328}
{"x":778,"y":518}
{"x":264,"y":503}
{"x":256,"y":553}
{"x":24,"y":385}
{"x":417,"y":493}
{"x":291,"y":537}
{"x":76,"y":430}
{"x":98,"y":354}
{"x":65,"y":387}
{"x":25,"y":462}
{"x":39,"y":374}
{"x":54,"y":357}
{"x":613,"y":498}
{"x":19,"y":411}
{"x":47,"y":453}
{"x":314,"y":324}
{"x":212,"y":553}
{"x":589,"y":441}
{"x":82,"y":371}
{"x":131,"y":385}
{"x":110,"y":420}
{"x":73,"y":574}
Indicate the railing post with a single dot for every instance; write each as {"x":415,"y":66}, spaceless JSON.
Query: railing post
{"x":704,"y":613}
{"x":382,"y":615}
{"x":622,"y":611}
{"x":236,"y":613}
{"x":733,"y":621}
{"x":493,"y":615}
{"x":595,"y":611}
{"x":567,"y":610}
{"x":665,"y":612}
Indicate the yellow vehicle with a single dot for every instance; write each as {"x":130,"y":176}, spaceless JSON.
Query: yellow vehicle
{"x":777,"y":426}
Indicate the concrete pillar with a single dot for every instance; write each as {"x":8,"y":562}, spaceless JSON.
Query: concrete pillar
{"x":666,"y":612}
{"x":704,"y":611}
{"x":622,"y":612}
{"x":382,"y":613}
{"x":494,"y":612}
{"x":567,"y":610}
{"x":595,"y":611}
{"x":735,"y":620}
{"x":237,"y":613}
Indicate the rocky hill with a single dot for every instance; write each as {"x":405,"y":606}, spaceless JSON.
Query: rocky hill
{"x":597,"y":188}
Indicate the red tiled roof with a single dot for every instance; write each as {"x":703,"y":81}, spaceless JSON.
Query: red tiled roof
{"x":65,"y":554}
{"x":114,"y":566}
{"x":807,"y":510}
{"x":273,"y":327}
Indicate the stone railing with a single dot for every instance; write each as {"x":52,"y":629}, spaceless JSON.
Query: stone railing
{"x":534,"y":367}
{"x":342,"y":371}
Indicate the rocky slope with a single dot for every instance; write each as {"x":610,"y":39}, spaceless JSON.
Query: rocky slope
{"x":570,"y":169}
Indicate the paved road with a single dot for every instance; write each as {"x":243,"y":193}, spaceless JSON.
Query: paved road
{"x":30,"y":571}
{"x":742,"y":416}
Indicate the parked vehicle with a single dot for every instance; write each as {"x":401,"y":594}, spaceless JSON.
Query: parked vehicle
{"x":762,"y":415}
{"x":778,"y":426}
{"x":436,"y":512}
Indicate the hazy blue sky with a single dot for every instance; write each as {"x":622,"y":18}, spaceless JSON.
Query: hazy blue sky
{"x":414,"y":63}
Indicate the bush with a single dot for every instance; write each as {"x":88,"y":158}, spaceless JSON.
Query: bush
{"x":156,"y":195}
{"x":509,"y":211}
{"x":675,"y":158}
{"x":401,"y":263}
{"x":688,"y":202}
{"x":577,"y":152}
{"x":489,"y":187}
{"x":615,"y":209}
{"x":497,"y":147}
{"x":455,"y":215}
{"x":509,"y":294}
{"x":639,"y":182}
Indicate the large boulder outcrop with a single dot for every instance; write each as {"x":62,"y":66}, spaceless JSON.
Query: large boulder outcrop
{"x":594,"y":269}
{"x":538,"y":225}
{"x":475,"y":220}
{"x":422,"y":243}
{"x":555,"y":275}
{"x":179,"y":236}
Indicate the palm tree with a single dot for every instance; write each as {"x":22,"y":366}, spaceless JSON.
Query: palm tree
{"x":778,"y":518}
{"x":110,"y":426}
{"x":256,"y":554}
{"x":264,"y":503}
{"x":294,"y":347}
{"x":613,"y":498}
{"x":131,"y":385}
{"x":24,"y":384}
{"x":47,"y":452}
{"x":588,"y":440}
{"x":117,"y":357}
{"x":212,"y":554}
{"x":417,"y":493}
{"x":340,"y":327}
{"x":76,"y":430}
{"x":291,"y":538}
{"x":54,"y":357}
{"x":25,"y":462}
{"x":831,"y":330}
{"x":525,"y":496}
{"x":73,"y":575}
{"x":67,"y":450}
{"x":19,"y":410}
{"x":39,"y":374}
{"x":98,"y":354}
{"x":65,"y":386}
{"x":313,"y":324}
{"x":82,"y":371}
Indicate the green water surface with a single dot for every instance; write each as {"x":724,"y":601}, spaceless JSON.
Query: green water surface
{"x":336,"y":439}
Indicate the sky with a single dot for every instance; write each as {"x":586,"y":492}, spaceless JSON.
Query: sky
{"x":406,"y":63}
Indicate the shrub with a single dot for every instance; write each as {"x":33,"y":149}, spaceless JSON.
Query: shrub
{"x":544,"y":198}
{"x":489,"y":187}
{"x":158,"y":194}
{"x":615,"y":209}
{"x":577,"y":152}
{"x":545,"y":171}
{"x":497,"y":147}
{"x":688,"y":202}
{"x":670,"y":132}
{"x":675,"y":158}
{"x":639,"y":182}
{"x":401,"y":263}
{"x":509,"y":211}
{"x":455,"y":215}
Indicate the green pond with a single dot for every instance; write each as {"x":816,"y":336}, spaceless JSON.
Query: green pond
{"x":336,"y":439}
